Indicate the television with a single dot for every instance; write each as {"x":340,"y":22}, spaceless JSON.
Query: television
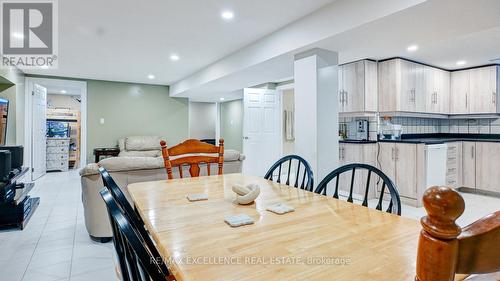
{"x":4,"y":112}
{"x":58,"y":129}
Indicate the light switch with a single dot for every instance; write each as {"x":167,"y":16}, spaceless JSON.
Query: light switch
{"x":101,"y":121}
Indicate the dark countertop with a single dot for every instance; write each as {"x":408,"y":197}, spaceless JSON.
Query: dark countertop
{"x":438,"y":138}
{"x":444,"y":138}
{"x":357,"y":141}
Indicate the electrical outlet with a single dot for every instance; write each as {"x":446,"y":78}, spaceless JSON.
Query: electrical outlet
{"x":101,"y":121}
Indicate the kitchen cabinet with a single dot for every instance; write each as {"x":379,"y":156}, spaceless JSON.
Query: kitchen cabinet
{"x":356,"y":153}
{"x":460,"y":88}
{"x":399,"y":162}
{"x":487,"y":159}
{"x":437,"y":90}
{"x":358,"y":86}
{"x":454,"y":164}
{"x":483,"y":90}
{"x":475,"y":91}
{"x":404,"y":86}
{"x":388,"y":85}
{"x":469,"y":164}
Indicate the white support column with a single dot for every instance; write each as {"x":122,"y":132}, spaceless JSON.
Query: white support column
{"x":316,"y":110}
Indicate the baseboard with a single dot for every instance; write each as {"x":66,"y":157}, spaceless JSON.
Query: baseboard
{"x":478,"y":191}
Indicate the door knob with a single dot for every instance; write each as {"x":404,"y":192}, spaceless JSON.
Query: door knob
{"x":245,"y":138}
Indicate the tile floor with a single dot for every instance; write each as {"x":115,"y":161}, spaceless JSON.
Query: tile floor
{"x":55,"y":245}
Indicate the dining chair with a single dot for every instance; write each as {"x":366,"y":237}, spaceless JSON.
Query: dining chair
{"x":192,"y":153}
{"x":127,"y":209}
{"x":295,"y":168}
{"x":136,"y":261}
{"x":448,"y":252}
{"x":372,"y":172}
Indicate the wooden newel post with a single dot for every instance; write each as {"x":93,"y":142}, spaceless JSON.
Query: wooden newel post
{"x":438,"y":244}
{"x":221,"y":155}
{"x":166,"y":159}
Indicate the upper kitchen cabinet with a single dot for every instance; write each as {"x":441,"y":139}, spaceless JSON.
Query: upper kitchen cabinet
{"x":483,"y":90}
{"x":358,"y":86}
{"x":402,"y":86}
{"x":437,"y":90}
{"x":460,"y":88}
{"x":475,"y":91}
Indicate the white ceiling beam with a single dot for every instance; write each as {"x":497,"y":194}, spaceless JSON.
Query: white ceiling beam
{"x":338,"y":17}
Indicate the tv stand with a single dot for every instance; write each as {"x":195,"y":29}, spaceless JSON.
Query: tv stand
{"x":16,"y":206}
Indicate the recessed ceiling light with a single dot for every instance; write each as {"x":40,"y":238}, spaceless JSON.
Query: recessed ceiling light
{"x":151,"y":76}
{"x":174,"y":57}
{"x":227,"y":15}
{"x":222,"y":99}
{"x":63,"y":92}
{"x":461,"y":62}
{"x":412,"y":48}
{"x":17,"y":35}
{"x":44,"y":66}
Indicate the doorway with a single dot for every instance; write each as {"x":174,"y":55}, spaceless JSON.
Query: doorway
{"x":56,"y":127}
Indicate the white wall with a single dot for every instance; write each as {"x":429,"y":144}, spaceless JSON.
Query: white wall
{"x":316,"y":110}
{"x":305,"y":110}
{"x":202,"y":120}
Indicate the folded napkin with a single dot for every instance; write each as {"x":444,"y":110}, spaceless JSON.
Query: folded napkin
{"x":238,"y":220}
{"x":197,"y":197}
{"x":280,"y":208}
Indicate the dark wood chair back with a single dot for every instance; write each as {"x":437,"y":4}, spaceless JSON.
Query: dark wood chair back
{"x":445,"y":249}
{"x":372,"y":172}
{"x":192,"y":153}
{"x":136,"y":260}
{"x":129,"y":212}
{"x":296,"y":169}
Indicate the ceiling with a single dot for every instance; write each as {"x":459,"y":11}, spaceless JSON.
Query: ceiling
{"x":124,"y":40}
{"x":446,"y":31}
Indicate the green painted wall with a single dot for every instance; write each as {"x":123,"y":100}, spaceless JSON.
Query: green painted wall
{"x":231,"y":124}
{"x":132,"y":110}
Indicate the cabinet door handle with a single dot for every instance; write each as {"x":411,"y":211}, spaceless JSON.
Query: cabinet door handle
{"x":493,"y":97}
{"x":392,"y":154}
{"x":472,"y":152}
{"x":412,"y":95}
{"x":397,"y":154}
{"x":466,"y":100}
{"x":346,"y":97}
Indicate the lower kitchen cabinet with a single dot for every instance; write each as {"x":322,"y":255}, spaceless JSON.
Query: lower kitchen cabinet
{"x":454,"y":164}
{"x":487,"y":160}
{"x":399,"y":162}
{"x":356,"y":153}
{"x":469,"y":164}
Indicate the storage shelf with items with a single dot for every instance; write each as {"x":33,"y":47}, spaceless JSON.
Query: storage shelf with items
{"x":71,"y":121}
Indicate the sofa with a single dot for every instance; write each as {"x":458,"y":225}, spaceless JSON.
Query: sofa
{"x":139,"y":161}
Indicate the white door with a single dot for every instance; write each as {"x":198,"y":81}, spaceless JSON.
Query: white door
{"x":39,"y":121}
{"x":261,"y":130}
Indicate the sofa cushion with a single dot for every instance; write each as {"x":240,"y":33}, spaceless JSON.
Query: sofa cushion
{"x":116,"y":164}
{"x":142,"y":143}
{"x":134,"y":163}
{"x":144,"y":153}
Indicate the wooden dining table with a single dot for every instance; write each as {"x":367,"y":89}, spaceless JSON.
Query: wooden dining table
{"x":323,"y":239}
